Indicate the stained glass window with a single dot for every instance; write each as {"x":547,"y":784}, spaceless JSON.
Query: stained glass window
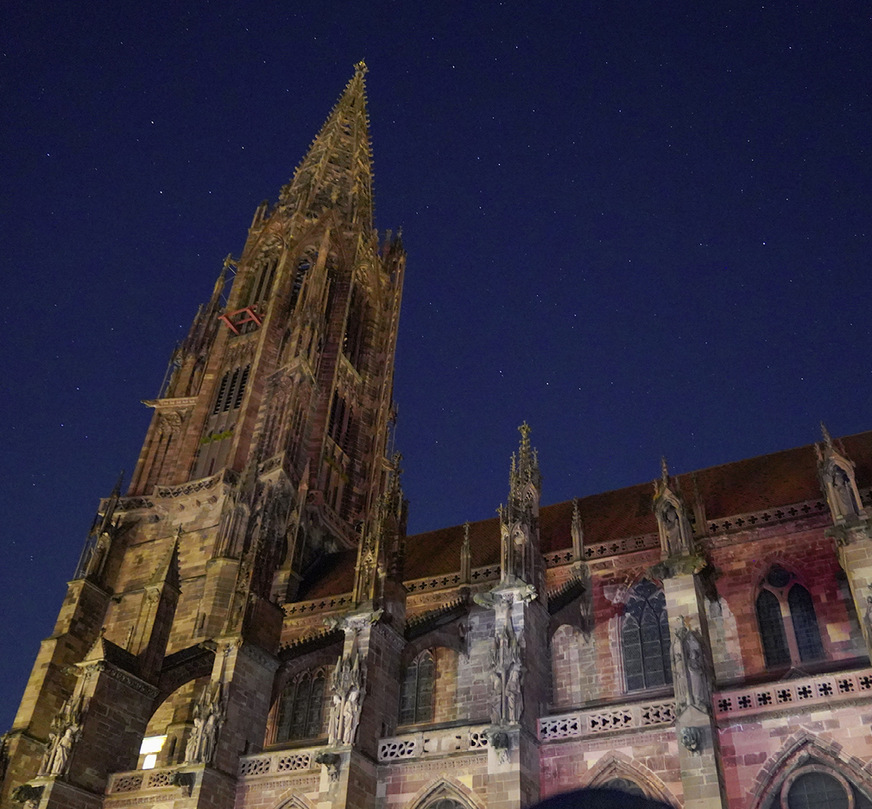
{"x":416,"y":697}
{"x":645,"y":638}
{"x":780,"y":596}
{"x":301,"y":708}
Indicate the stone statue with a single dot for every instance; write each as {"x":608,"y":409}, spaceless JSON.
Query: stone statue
{"x":209,"y":736}
{"x":514,"y":695}
{"x":843,"y":490}
{"x":699,"y":688}
{"x":59,"y":761}
{"x":209,"y":714}
{"x":691,"y":680}
{"x":672,"y":528}
{"x":66,"y":729}
{"x":506,"y":676}
{"x":334,"y":726}
{"x":351,"y":714}
{"x":348,"y":691}
{"x":193,"y":744}
{"x":678,"y":666}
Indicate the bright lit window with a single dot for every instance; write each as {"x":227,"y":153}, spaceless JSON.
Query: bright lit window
{"x":150,"y":747}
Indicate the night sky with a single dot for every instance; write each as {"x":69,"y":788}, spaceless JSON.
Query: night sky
{"x":643,"y":227}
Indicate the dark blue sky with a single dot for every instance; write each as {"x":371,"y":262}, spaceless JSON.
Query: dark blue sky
{"x":642,"y":227}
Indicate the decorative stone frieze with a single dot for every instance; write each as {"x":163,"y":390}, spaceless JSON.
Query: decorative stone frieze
{"x":607,"y":720}
{"x":793,"y":695}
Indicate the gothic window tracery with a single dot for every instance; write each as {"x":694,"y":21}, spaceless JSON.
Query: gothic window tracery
{"x":301,"y":707}
{"x":817,"y":785}
{"x":816,"y":790}
{"x":416,"y":695}
{"x":645,"y":638}
{"x":262,"y":279}
{"x":214,"y":446}
{"x":446,"y":803}
{"x":786,"y":617}
{"x":231,"y":390}
{"x":624,"y":785}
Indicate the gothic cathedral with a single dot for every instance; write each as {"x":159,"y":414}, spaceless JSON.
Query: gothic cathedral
{"x":250,"y":626}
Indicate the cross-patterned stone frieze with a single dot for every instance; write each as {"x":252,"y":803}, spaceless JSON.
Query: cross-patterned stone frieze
{"x":793,"y":695}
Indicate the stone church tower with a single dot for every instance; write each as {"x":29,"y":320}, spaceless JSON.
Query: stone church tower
{"x":250,"y":627}
{"x":266,"y":452}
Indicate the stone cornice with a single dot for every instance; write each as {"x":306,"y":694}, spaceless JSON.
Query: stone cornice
{"x":181,"y":403}
{"x":90,"y":669}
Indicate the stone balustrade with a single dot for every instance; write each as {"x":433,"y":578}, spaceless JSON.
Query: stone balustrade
{"x":607,"y":720}
{"x":279,"y":761}
{"x":790,"y":695}
{"x":177,"y":777}
{"x":438,"y":742}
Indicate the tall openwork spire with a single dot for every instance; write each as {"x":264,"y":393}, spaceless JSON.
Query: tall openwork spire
{"x":336,"y":173}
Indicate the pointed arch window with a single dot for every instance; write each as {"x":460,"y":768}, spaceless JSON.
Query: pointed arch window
{"x":786,"y":617}
{"x":416,"y":695}
{"x":262,"y":279}
{"x":302,"y":270}
{"x":645,"y":638}
{"x":231,"y":390}
{"x":301,"y":707}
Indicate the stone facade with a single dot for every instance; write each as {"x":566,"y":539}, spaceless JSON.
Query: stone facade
{"x":250,"y":626}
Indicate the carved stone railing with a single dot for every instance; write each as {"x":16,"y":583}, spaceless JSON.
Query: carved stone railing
{"x":792,"y":695}
{"x":769,"y":516}
{"x":280,"y":761}
{"x":607,"y":720}
{"x":599,"y":550}
{"x":447,"y":580}
{"x":337,"y":602}
{"x":140,"y":780}
{"x":440,"y":742}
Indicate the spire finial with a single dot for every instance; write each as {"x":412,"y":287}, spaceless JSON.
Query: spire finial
{"x":828,"y":439}
{"x":525,"y":431}
{"x":664,"y":470}
{"x":360,"y":69}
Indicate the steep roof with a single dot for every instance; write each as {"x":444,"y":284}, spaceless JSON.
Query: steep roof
{"x":754,"y":484}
